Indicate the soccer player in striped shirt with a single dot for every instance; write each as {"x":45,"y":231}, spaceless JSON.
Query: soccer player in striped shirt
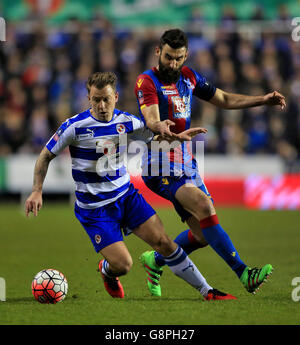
{"x":106,"y":201}
{"x":164,"y":95}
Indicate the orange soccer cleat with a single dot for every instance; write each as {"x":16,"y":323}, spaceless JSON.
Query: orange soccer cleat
{"x":112,"y":285}
{"x":216,"y":295}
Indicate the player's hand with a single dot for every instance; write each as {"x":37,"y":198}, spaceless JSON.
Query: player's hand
{"x":163,"y":128}
{"x":190,"y":133}
{"x":33,"y":203}
{"x":275,"y":98}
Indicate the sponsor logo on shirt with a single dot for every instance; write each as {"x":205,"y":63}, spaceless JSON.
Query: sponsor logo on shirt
{"x":90,"y":134}
{"x":166,"y":87}
{"x":168,"y":90}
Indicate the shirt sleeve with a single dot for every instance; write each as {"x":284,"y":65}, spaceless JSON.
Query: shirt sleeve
{"x":145,"y":91}
{"x":140,"y":132}
{"x":203,"y":88}
{"x":62,"y":138}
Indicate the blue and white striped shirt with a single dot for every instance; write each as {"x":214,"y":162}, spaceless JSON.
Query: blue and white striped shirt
{"x":91,"y":142}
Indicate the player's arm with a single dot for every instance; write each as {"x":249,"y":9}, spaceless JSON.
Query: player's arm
{"x":35,"y":201}
{"x":148,"y":101}
{"x":228,"y":100}
{"x":183,"y":136}
{"x":153,"y":122}
{"x":162,"y":128}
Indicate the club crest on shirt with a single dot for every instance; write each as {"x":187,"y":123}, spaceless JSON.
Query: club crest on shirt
{"x":120,"y":128}
{"x":181,"y":106}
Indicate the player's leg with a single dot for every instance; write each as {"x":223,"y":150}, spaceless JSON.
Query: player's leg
{"x":188,"y":240}
{"x":118,"y":258}
{"x":199,"y":205}
{"x":142,"y":220}
{"x":152,"y":232}
{"x":103,"y":228}
{"x":117,"y":262}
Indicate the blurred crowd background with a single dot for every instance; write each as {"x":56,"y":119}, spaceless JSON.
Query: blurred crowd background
{"x":43,"y":74}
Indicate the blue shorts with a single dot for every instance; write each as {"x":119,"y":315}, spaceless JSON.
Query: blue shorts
{"x":167,"y":187}
{"x":104,"y":225}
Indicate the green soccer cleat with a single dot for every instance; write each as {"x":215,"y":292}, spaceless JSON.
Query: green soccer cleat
{"x":153,"y":272}
{"x":252,"y":278}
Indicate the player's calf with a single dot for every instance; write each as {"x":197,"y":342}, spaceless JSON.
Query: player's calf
{"x":165,"y":245}
{"x":117,"y":262}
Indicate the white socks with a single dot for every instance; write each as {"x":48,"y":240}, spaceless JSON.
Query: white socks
{"x":181,"y":265}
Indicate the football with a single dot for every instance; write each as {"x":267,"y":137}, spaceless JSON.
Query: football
{"x":49,"y":286}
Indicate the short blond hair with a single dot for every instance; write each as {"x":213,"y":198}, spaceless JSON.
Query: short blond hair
{"x":102,"y":79}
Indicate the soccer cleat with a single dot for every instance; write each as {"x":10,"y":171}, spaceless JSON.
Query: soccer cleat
{"x":153,"y":272}
{"x":216,"y":295}
{"x":252,"y":278}
{"x":112,"y":285}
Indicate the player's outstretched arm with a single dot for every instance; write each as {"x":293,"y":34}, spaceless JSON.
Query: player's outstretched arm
{"x":34,"y":201}
{"x":162,"y":128}
{"x":183,"y":136}
{"x":228,"y":100}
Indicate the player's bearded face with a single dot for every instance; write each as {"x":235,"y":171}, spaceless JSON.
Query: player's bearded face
{"x":170,"y":63}
{"x":168,"y":74}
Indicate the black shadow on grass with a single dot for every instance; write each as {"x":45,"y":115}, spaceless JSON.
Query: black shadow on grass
{"x":160,"y":299}
{"x":20,"y":300}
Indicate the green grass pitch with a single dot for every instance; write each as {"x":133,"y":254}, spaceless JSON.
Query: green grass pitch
{"x":55,"y":239}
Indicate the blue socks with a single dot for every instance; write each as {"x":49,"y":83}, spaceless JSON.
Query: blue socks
{"x":216,"y":237}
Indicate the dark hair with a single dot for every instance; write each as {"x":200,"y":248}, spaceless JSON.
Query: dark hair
{"x":175,"y":38}
{"x":102,"y":79}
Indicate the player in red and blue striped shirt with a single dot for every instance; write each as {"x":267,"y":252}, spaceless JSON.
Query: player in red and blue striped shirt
{"x":164,"y":94}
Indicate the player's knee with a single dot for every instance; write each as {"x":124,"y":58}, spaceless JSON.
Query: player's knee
{"x":203,"y":206}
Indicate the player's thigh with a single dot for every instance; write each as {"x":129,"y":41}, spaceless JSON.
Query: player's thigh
{"x":118,"y":256}
{"x":152,"y":232}
{"x":195,"y":201}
